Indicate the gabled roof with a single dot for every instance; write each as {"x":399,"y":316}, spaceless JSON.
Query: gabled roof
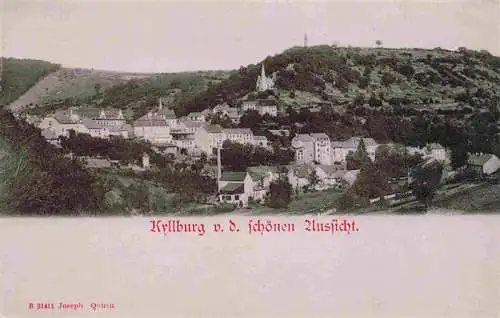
{"x":243,"y":131}
{"x":435,"y":146}
{"x":339,"y":173}
{"x":303,"y":138}
{"x":329,"y":170}
{"x":260,"y":172}
{"x":233,"y":188}
{"x":353,"y":142}
{"x":168,"y":113}
{"x":214,"y":129}
{"x":233,"y":176}
{"x":150,"y":120}
{"x":319,"y":136}
{"x":479,"y":160}
{"x":49,"y":134}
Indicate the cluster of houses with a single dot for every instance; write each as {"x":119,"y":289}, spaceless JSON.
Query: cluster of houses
{"x":315,"y":154}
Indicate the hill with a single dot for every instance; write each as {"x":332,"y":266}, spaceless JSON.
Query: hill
{"x":133,"y":91}
{"x":416,"y":78}
{"x":18,"y":75}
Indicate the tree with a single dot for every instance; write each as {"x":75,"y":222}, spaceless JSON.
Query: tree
{"x":459,"y":156}
{"x":313,"y":179}
{"x":426,"y":180}
{"x":280,"y":194}
{"x":361,"y":155}
{"x":379,"y":43}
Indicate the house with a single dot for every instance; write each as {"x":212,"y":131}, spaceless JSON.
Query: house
{"x":95,"y":129}
{"x":235,"y":188}
{"x":124,"y":131}
{"x":216,"y":137}
{"x":350,"y":176}
{"x":103,"y":117}
{"x":339,"y":176}
{"x":260,"y":141}
{"x":322,"y":148}
{"x":437,"y":152}
{"x":340,"y":149}
{"x":299,"y":175}
{"x":202,"y":140}
{"x":62,"y":122}
{"x":263,"y":82}
{"x":326,"y":176}
{"x":262,"y":177}
{"x":483,"y":164}
{"x":262,"y":106}
{"x":167,"y":114}
{"x":239,"y":135}
{"x":153,"y":128}
{"x":223,"y":109}
{"x":303,"y":145}
{"x":196,"y":116}
{"x":234,"y":115}
{"x":280,"y":132}
{"x":313,"y":147}
{"x":50,"y":136}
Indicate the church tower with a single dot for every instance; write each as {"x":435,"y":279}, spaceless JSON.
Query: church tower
{"x":263,"y":82}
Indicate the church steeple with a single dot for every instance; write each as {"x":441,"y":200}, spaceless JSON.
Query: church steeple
{"x":160,"y":104}
{"x":263,"y":72}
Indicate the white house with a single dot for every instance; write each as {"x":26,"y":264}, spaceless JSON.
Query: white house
{"x":62,"y":122}
{"x":434,"y":150}
{"x":260,"y":141}
{"x":263,"y":82}
{"x":50,"y":136}
{"x":223,"y":109}
{"x":235,"y":188}
{"x":153,"y":127}
{"x":262,"y":106}
{"x":239,"y":135}
{"x":484,"y":164}
{"x":350,"y":176}
{"x":326,"y":176}
{"x":196,"y":116}
{"x":103,"y":117}
{"x":322,"y":148}
{"x":216,"y":137}
{"x":299,"y":175}
{"x":303,"y":145}
{"x":313,"y":147}
{"x":95,"y":129}
{"x":262,"y":177}
{"x":340,"y":149}
{"x":125,"y":131}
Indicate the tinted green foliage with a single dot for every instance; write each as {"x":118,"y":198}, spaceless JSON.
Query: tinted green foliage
{"x":51,"y":183}
{"x":17,"y":76}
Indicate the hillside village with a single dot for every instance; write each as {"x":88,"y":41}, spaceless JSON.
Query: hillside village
{"x":275,"y":137}
{"x":314,"y":154}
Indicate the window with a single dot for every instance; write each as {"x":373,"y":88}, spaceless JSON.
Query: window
{"x":236,"y":197}
{"x":227,"y":198}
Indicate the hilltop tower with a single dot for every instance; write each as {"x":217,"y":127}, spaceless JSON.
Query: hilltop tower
{"x":263,"y":82}
{"x":305,"y":39}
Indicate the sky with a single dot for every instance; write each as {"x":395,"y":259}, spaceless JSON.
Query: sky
{"x":171,"y":36}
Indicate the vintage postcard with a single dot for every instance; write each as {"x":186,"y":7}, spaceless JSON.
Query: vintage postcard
{"x":249,"y":158}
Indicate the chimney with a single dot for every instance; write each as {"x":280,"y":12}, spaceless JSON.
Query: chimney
{"x":219,"y":165}
{"x":145,"y":161}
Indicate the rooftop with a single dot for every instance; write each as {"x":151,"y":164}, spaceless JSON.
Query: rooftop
{"x":479,"y":160}
{"x":233,"y":176}
{"x":233,"y":188}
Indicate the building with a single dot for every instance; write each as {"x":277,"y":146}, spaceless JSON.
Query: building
{"x":63,"y":122}
{"x":239,"y":135}
{"x":340,"y":149}
{"x":50,"y":136}
{"x":262,"y":176}
{"x":196,"y":116}
{"x":216,"y":137}
{"x":260,"y":141}
{"x":483,"y":164}
{"x":313,"y":147}
{"x":303,"y":145}
{"x":103,"y":117}
{"x":235,"y":188}
{"x":326,"y":176}
{"x":299,"y":176}
{"x":434,"y":150}
{"x":223,"y":109}
{"x":262,"y":106}
{"x":263,"y":82}
{"x":322,"y":148}
{"x":153,"y":128}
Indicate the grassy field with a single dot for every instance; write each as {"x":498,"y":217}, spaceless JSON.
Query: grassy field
{"x":482,"y":198}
